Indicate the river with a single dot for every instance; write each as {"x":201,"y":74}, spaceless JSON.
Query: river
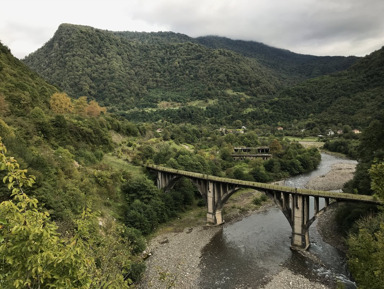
{"x":248,"y":253}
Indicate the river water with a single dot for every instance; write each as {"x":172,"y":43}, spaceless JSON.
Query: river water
{"x":248,"y":253}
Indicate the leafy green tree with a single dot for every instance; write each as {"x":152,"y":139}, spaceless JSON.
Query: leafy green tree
{"x":31,"y":251}
{"x":366,"y":253}
{"x":366,"y":246}
{"x":80,"y":105}
{"x":5,"y":130}
{"x":139,"y":216}
{"x":104,"y":241}
{"x":140,"y":188}
{"x":34,"y":255}
{"x":275,"y":147}
{"x":371,"y":149}
{"x":259,"y":173}
{"x":376,"y":173}
{"x":4,"y":107}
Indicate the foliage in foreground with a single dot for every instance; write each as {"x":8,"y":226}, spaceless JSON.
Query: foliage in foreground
{"x":366,"y":243}
{"x":34,"y":255}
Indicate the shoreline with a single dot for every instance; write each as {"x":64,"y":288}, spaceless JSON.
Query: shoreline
{"x":176,"y":255}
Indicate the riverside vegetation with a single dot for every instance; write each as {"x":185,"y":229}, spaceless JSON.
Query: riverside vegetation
{"x":71,"y":153}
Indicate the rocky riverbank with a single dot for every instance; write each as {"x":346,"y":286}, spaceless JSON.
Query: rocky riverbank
{"x":175,"y":258}
{"x":176,"y":255}
{"x":334,"y":180}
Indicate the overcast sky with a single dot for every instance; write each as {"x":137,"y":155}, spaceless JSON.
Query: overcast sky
{"x":317,"y":27}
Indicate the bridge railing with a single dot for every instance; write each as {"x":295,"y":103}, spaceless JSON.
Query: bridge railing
{"x":269,"y":187}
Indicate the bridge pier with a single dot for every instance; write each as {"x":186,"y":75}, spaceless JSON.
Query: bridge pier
{"x":215,"y":218}
{"x":300,"y":216}
{"x":295,"y":207}
{"x":214,"y":192}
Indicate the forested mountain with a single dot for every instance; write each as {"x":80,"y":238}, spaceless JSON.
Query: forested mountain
{"x":176,"y":78}
{"x":83,"y":215}
{"x":24,"y":88}
{"x":351,"y":97}
{"x":117,"y":70}
{"x":290,"y":66}
{"x":354,"y":96}
{"x":134,"y":69}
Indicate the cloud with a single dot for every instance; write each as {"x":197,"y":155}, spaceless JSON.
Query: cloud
{"x":327,"y":27}
{"x":24,"y":38}
{"x":295,"y":24}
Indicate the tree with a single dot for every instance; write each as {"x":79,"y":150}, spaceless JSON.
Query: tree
{"x":377,"y":176}
{"x":32,"y":253}
{"x":94,"y":109}
{"x":80,"y":105}
{"x":4,"y":108}
{"x":5,"y":130}
{"x":140,"y":188}
{"x":275,"y":147}
{"x":370,"y":150}
{"x":61,"y":103}
{"x":366,"y":253}
{"x":366,"y":246}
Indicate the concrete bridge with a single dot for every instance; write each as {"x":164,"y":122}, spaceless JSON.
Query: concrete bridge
{"x":293,"y":202}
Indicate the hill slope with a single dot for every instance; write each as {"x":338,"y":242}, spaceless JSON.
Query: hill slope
{"x":354,"y":96}
{"x":73,"y":188}
{"x":291,"y":67}
{"x":21,"y":88}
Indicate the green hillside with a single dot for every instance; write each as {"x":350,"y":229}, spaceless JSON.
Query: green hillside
{"x":55,"y":223}
{"x":117,"y":70}
{"x":291,"y":67}
{"x":354,"y":96}
{"x":22,"y":88}
{"x":173,"y":77}
{"x":351,"y":97}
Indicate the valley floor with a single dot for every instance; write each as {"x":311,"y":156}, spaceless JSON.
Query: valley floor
{"x":176,"y":255}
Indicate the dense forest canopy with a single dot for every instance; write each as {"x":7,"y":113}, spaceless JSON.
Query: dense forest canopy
{"x":117,"y":70}
{"x":354,"y":96}
{"x":291,"y":67}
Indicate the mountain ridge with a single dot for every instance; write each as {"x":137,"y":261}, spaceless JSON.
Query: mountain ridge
{"x":100,"y":64}
{"x":153,"y":50}
{"x":304,"y":65}
{"x":161,"y":76}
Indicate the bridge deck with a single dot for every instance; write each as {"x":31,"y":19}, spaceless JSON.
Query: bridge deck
{"x":270,"y":187}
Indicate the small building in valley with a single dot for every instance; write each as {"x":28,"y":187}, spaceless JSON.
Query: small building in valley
{"x":243,"y":153}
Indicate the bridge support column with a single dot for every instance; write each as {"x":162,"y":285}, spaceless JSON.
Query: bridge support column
{"x":214,"y":194}
{"x":165,"y":181}
{"x":210,"y":204}
{"x":300,"y":233}
{"x":215,"y":218}
{"x":219,"y":217}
